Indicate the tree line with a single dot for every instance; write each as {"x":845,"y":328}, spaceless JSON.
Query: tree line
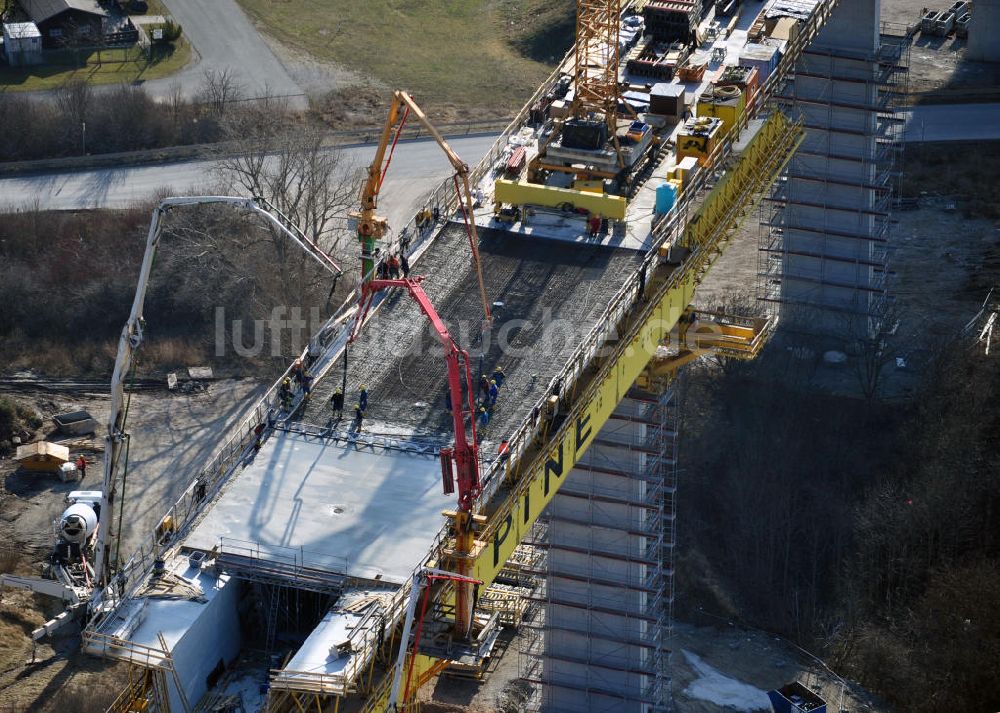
{"x":78,"y":118}
{"x":68,"y":278}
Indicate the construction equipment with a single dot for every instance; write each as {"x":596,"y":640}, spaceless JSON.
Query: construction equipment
{"x":371,"y":227}
{"x":705,"y":333}
{"x":116,"y":439}
{"x":421,"y":582}
{"x":459,"y":463}
{"x":69,"y":574}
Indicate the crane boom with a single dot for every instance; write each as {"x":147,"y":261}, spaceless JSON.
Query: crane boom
{"x":372,"y":227}
{"x":461,"y":462}
{"x":131,"y":337}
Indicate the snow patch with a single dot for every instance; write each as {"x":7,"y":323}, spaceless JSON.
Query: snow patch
{"x":715,"y":687}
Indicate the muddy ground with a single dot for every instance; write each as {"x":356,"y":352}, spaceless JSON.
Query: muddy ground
{"x":171,"y":435}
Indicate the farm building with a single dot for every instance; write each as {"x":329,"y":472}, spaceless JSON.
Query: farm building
{"x":63,"y":22}
{"x":22,"y":43}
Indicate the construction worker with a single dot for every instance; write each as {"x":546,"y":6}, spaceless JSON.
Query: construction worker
{"x":404,"y":265}
{"x":503,"y":452}
{"x":285,"y":393}
{"x":499,"y":376}
{"x":359,"y":417}
{"x":394,"y":267}
{"x":81,"y":465}
{"x":447,"y":400}
{"x":363,"y":398}
{"x":594,"y":224}
{"x":491,"y":394}
{"x":337,"y":402}
{"x":297,"y":371}
{"x":484,"y":417}
{"x":484,"y":386}
{"x":306,"y":383}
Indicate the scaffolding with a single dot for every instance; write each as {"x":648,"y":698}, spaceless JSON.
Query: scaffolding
{"x":598,"y":637}
{"x":824,"y":230}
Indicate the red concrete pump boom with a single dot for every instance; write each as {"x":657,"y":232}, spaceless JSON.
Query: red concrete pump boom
{"x":460,"y":463}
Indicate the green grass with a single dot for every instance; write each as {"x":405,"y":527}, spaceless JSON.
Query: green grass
{"x":156,"y":7}
{"x":482,"y":56}
{"x":116,"y":66}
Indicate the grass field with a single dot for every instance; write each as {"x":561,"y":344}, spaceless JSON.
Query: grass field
{"x":115,"y":66}
{"x":481,"y":56}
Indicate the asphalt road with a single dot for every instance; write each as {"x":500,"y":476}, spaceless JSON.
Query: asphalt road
{"x":953,"y":122}
{"x":417,"y":167}
{"x":224,"y":39}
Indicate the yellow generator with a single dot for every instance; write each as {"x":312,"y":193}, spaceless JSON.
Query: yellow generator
{"x":726,"y":103}
{"x":698,"y":138}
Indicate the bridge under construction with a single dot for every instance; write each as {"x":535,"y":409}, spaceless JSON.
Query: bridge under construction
{"x":333,"y":542}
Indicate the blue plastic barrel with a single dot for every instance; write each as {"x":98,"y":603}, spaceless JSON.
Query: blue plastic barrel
{"x":666,"y":196}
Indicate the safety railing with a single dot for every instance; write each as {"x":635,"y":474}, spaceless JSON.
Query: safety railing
{"x":293,"y":561}
{"x":110,"y":646}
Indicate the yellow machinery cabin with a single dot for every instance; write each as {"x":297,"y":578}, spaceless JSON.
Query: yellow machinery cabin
{"x":42,"y":457}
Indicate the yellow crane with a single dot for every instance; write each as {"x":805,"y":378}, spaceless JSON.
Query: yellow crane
{"x":372,"y":227}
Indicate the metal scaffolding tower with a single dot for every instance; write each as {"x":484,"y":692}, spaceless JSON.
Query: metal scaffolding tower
{"x":598,"y":638}
{"x":597,"y":25}
{"x":825,"y":230}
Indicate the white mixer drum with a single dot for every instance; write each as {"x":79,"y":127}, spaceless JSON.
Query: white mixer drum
{"x":77,"y":523}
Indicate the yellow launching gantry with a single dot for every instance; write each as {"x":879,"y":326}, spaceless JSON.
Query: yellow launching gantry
{"x":638,"y":326}
{"x":372,"y":227}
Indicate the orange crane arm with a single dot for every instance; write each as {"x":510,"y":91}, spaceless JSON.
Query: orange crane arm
{"x":372,"y":227}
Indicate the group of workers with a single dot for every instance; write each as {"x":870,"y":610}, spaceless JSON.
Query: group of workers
{"x":394,"y":266}
{"x":337,"y":405}
{"x":426,"y":218}
{"x":596,"y":225}
{"x":489,"y":389}
{"x":302,"y":378}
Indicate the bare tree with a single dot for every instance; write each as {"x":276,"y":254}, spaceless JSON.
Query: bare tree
{"x":74,"y":100}
{"x":177,"y":104}
{"x":871,"y":343}
{"x":218,"y":89}
{"x":313,"y":185}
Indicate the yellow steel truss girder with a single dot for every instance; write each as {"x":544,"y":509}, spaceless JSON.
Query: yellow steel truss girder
{"x":740,"y":188}
{"x":754,"y":169}
{"x":511,"y":522}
